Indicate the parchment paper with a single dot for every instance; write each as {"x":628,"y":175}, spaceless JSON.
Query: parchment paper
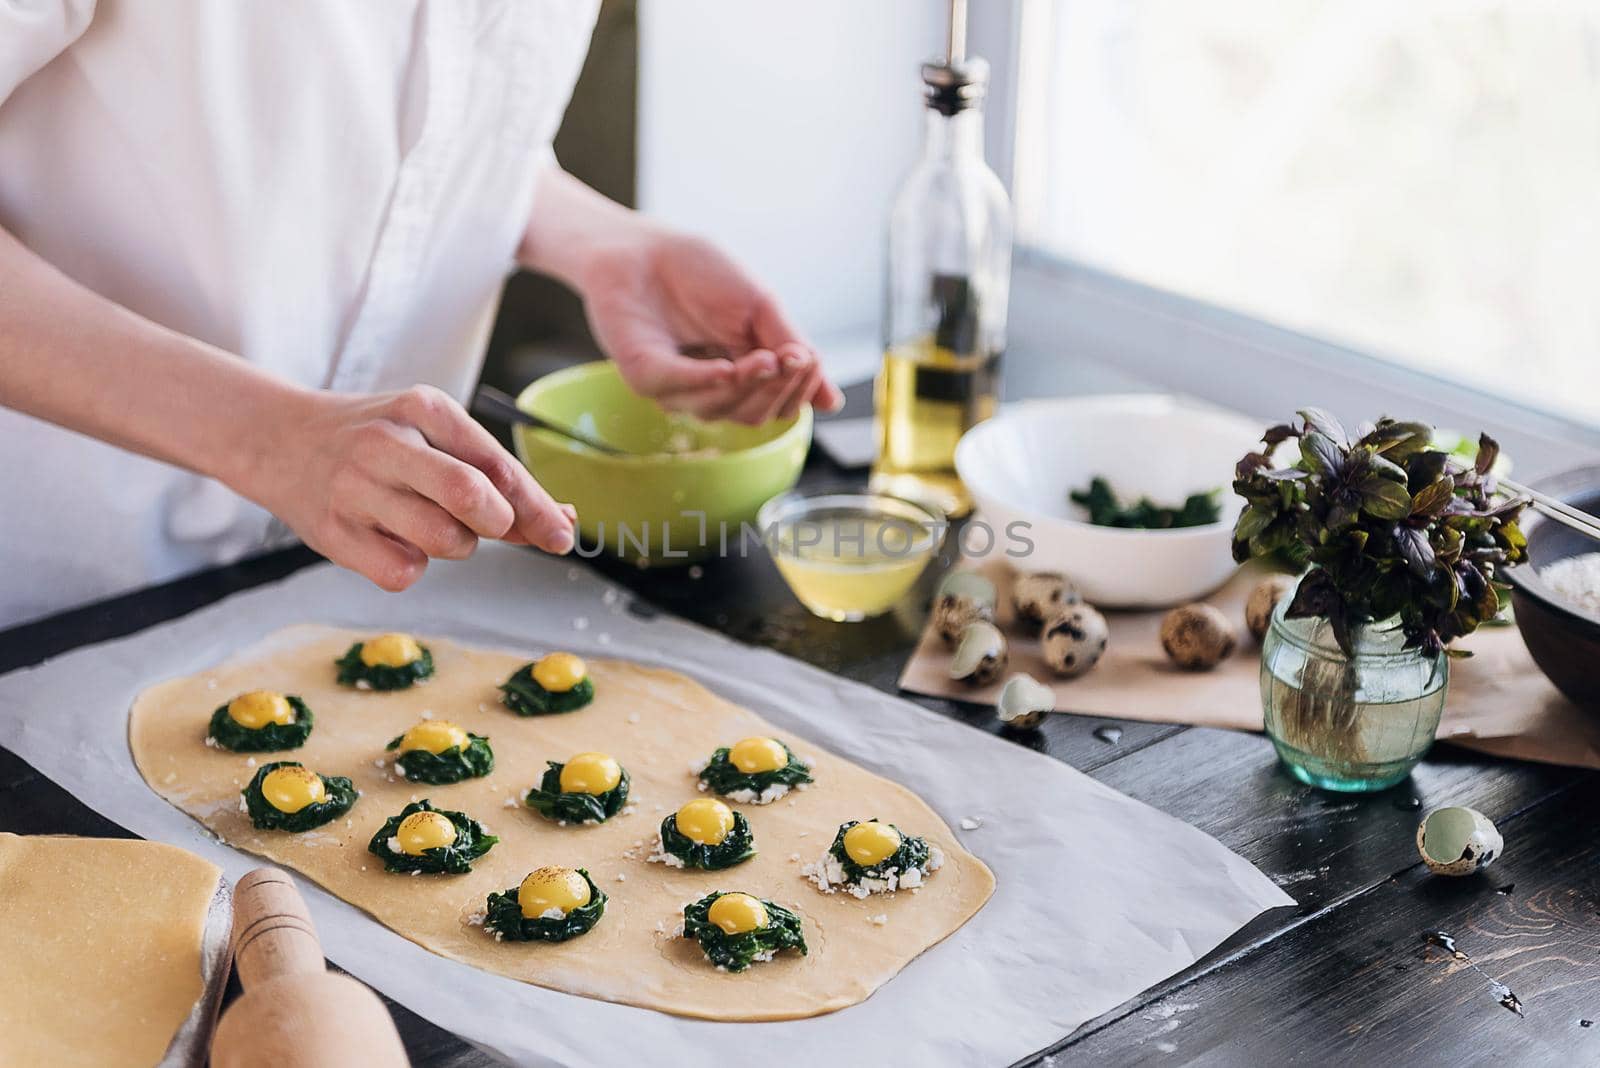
{"x":1098,"y":897}
{"x":1499,"y":701}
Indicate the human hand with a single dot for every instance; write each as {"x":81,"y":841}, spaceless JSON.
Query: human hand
{"x":659,"y":295}
{"x":379,"y":483}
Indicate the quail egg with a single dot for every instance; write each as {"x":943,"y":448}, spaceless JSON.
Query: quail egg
{"x":1263,"y":600}
{"x":1073,"y":640}
{"x":1457,"y":841}
{"x":1024,"y":702}
{"x":1038,"y":596}
{"x":1197,"y":637}
{"x":981,"y":654}
{"x":964,"y":597}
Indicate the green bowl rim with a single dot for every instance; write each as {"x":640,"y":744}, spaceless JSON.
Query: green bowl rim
{"x":800,"y":428}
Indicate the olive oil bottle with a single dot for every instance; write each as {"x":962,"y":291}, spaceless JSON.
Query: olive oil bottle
{"x":949,"y":270}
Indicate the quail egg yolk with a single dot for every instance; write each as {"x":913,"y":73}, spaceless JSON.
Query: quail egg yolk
{"x":258,"y":708}
{"x":752,"y":755}
{"x":293,"y":788}
{"x":705,"y":821}
{"x":737,"y":913}
{"x":559,"y":672}
{"x":552,"y":888}
{"x":422,"y":831}
{"x":433,"y":736}
{"x":869,"y":844}
{"x":390,"y":650}
{"x":590,"y":773}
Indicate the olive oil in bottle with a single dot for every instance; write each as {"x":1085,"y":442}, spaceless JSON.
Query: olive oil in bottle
{"x":949,"y":273}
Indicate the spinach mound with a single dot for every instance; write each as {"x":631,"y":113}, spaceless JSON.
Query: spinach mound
{"x":721,"y":775}
{"x":913,"y":853}
{"x":1106,"y":510}
{"x":472,"y":842}
{"x":471,"y":761}
{"x":381,"y":676}
{"x":341,"y":795}
{"x":523,"y":695}
{"x":230,"y":734}
{"x":738,"y":847}
{"x":736,"y":952}
{"x":505,"y":919}
{"x":548,"y":801}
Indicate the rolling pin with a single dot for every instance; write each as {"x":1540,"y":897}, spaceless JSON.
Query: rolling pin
{"x":294,"y":1013}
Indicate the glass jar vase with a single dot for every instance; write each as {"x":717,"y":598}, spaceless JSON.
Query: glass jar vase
{"x":1349,"y":723}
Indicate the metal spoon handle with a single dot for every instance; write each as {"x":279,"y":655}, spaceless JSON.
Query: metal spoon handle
{"x":494,"y":404}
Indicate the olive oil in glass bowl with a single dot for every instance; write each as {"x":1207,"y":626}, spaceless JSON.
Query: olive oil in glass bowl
{"x":850,"y":556}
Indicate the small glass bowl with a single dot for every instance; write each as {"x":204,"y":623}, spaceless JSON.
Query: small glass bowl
{"x":848,"y":555}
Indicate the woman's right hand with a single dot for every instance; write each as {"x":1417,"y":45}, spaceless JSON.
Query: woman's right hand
{"x":379,"y":483}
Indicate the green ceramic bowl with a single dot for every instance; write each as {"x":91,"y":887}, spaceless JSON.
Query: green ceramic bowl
{"x":686,"y":483}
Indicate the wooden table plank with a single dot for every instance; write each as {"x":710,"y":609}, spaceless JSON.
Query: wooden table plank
{"x":1358,"y":983}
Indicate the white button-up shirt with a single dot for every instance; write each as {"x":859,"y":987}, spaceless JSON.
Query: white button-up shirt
{"x":332,"y":189}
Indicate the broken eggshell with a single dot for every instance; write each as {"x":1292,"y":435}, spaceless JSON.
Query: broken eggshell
{"x":1024,"y":702}
{"x":963,"y":598}
{"x":1457,"y":841}
{"x":981,"y":655}
{"x":1041,"y":594}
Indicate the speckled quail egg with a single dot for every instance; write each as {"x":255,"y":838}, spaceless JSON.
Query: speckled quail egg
{"x":981,"y":654}
{"x":1024,"y":702}
{"x":1458,"y":841}
{"x":1197,"y":637}
{"x":1039,"y":595}
{"x":1263,"y":600}
{"x":1073,"y":640}
{"x":963,"y":597}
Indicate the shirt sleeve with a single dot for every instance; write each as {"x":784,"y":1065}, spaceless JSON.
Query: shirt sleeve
{"x":33,"y":32}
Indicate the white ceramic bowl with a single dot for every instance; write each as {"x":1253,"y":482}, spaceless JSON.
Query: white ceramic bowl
{"x":1020,"y":466}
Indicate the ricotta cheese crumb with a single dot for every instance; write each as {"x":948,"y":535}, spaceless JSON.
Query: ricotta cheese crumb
{"x":661,"y":856}
{"x":750,"y":797}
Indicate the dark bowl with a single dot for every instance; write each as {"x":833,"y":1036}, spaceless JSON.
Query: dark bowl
{"x":1563,"y":638}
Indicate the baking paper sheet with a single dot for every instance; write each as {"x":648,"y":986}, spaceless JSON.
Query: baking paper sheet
{"x":1099,"y":896}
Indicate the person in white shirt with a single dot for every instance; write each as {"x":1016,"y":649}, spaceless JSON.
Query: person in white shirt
{"x":249,"y":256}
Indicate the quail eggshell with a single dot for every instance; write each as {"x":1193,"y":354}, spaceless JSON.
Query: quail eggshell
{"x":1025,"y":702}
{"x":1073,"y":640}
{"x":981,"y":655}
{"x":1458,"y":841}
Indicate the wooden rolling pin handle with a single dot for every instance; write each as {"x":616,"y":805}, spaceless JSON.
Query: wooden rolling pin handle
{"x":294,"y":1013}
{"x":272,"y":931}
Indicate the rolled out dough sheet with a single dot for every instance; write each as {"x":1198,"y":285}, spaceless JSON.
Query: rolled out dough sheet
{"x":100,"y":948}
{"x":657,"y":724}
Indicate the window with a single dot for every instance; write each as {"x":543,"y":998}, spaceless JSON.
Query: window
{"x":1419,"y":180}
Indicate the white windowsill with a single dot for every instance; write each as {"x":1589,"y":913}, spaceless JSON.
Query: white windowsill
{"x":1076,"y":330}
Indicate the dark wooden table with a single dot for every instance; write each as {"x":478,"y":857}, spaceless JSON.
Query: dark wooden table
{"x":1345,"y":978}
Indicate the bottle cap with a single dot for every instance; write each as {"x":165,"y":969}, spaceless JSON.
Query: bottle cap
{"x":953,"y":86}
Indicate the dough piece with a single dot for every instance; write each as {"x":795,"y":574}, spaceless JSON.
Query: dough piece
{"x":658,"y":724}
{"x":100,"y":944}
